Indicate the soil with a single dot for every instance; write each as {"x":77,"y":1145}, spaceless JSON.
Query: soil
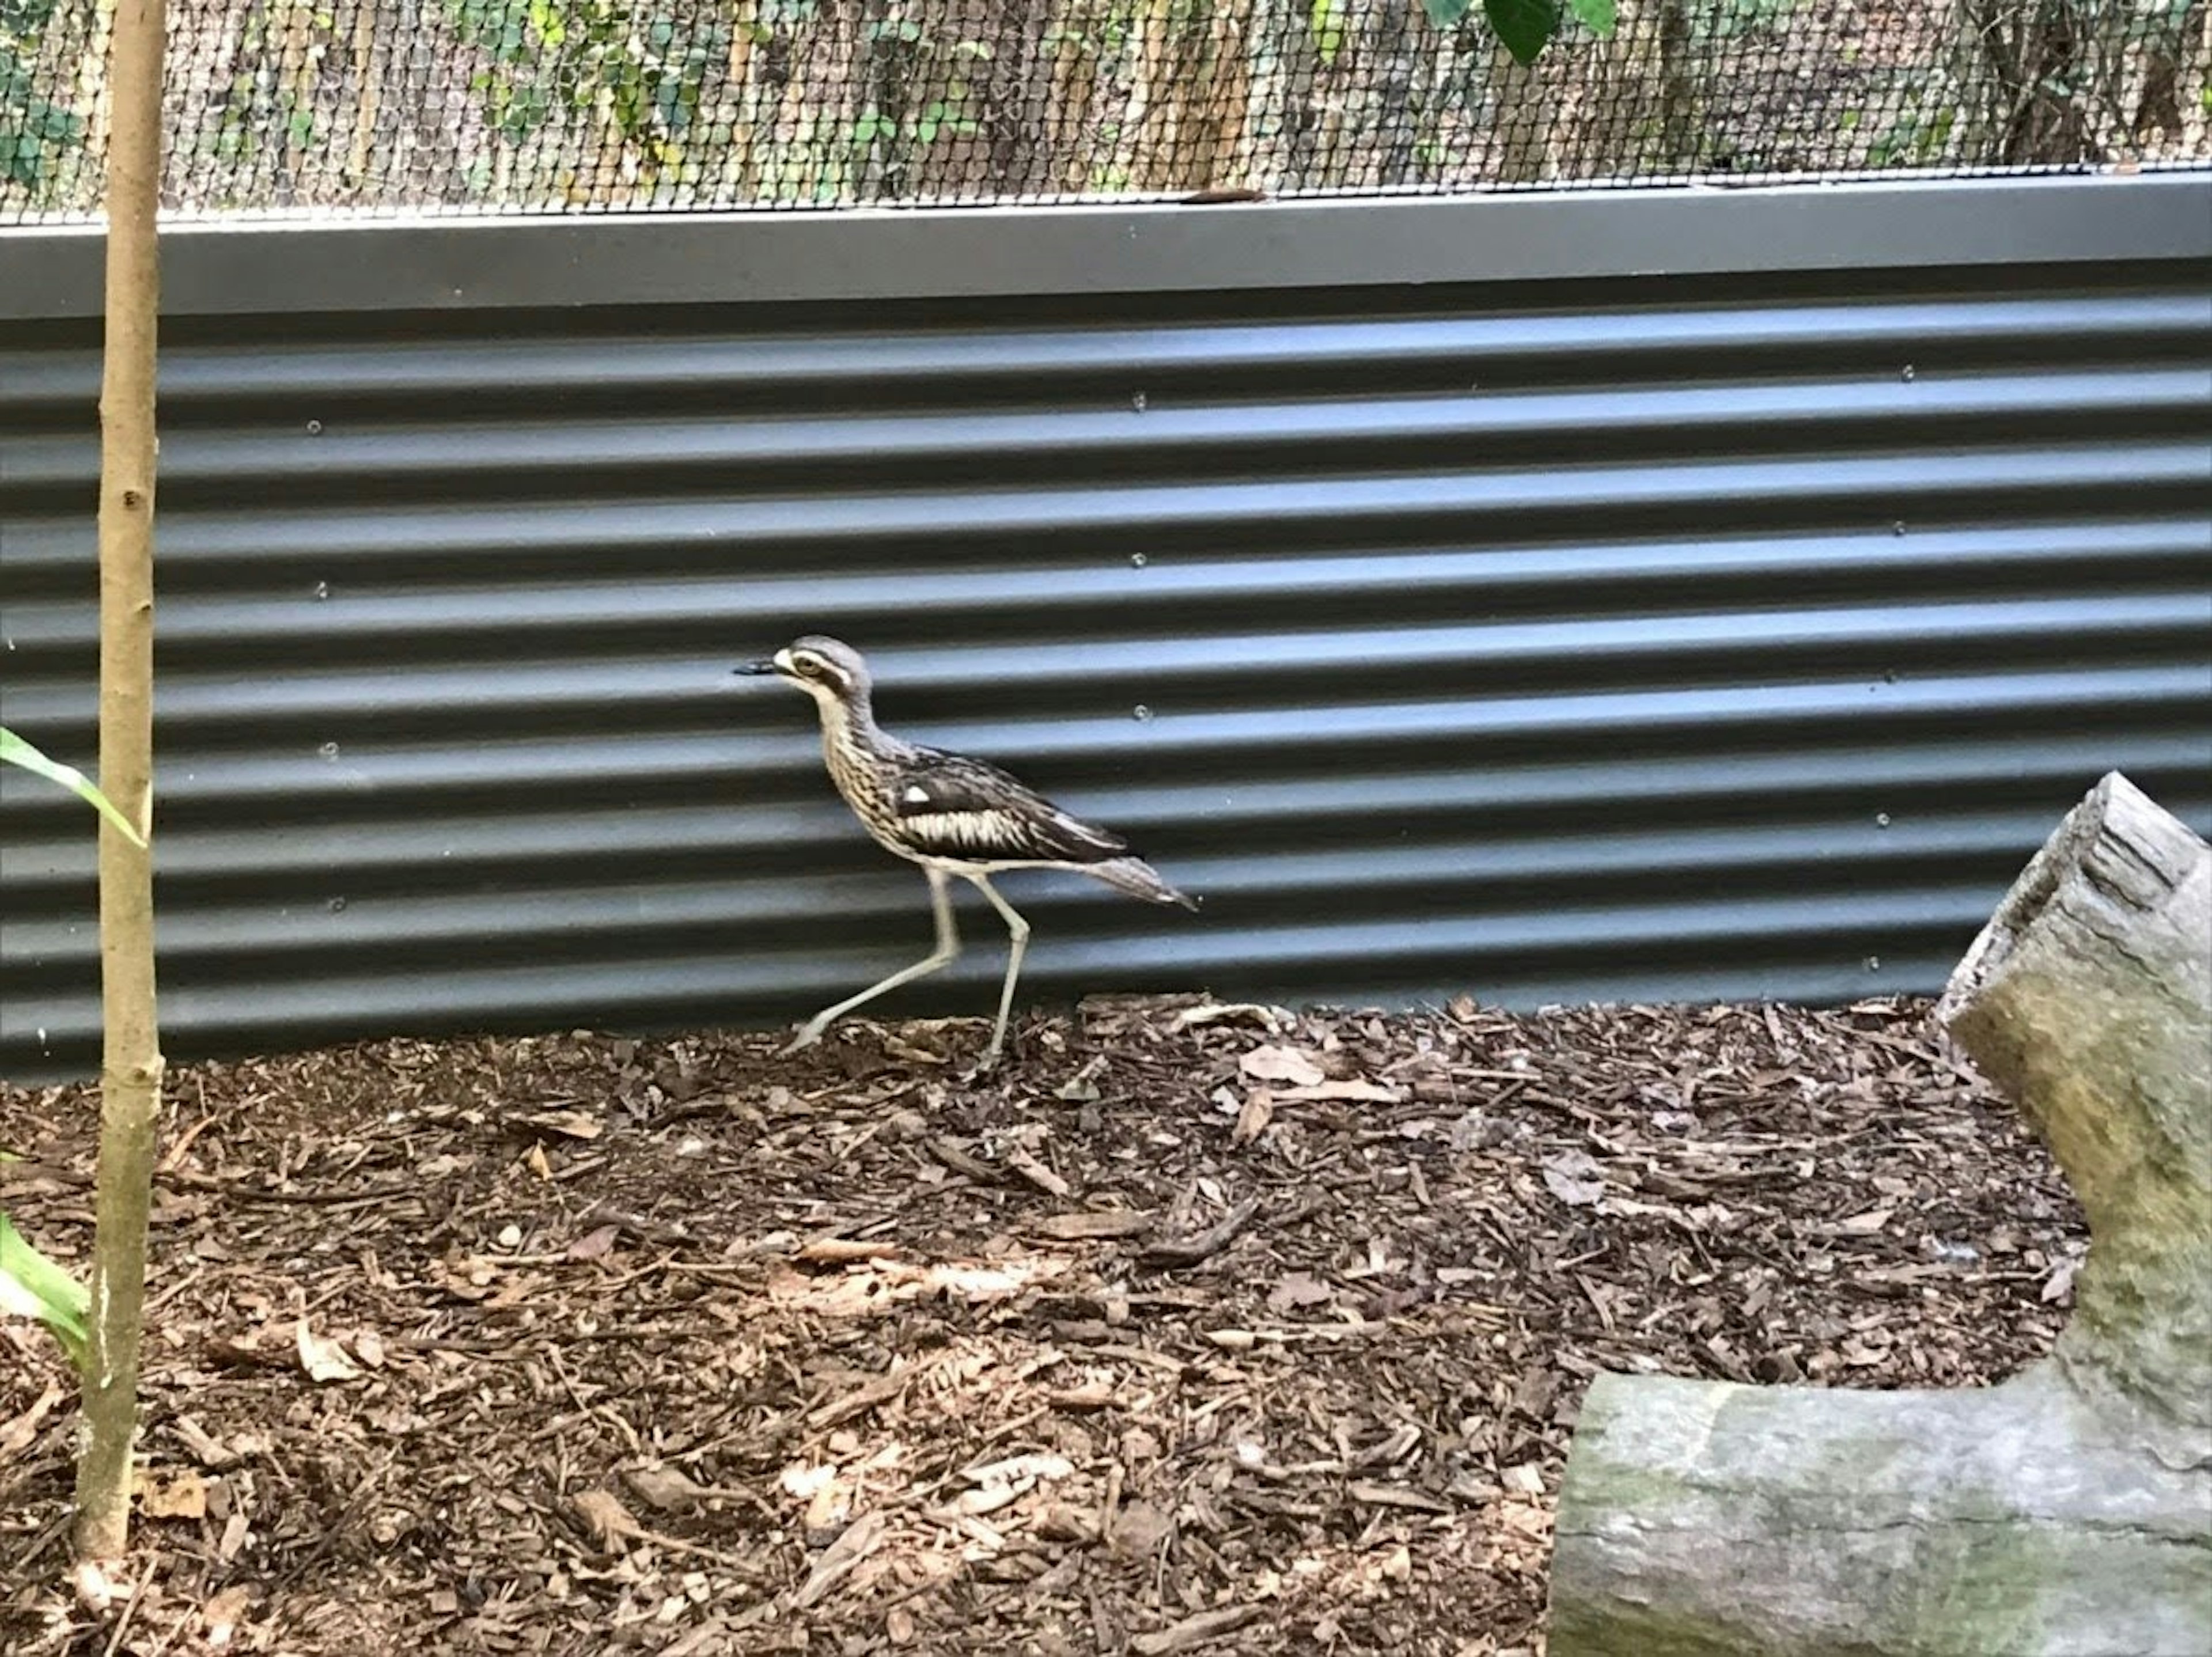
{"x":1195,"y":1328}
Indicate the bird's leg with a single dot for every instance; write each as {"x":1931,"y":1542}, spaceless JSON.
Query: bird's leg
{"x":948,"y":946}
{"x":1018,"y":937}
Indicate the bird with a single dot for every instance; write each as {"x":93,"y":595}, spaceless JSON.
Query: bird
{"x":952,"y":813}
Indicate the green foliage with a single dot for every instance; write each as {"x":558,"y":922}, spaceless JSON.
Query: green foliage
{"x":32,"y":1286}
{"x":643,"y":75}
{"x":1326,"y":22}
{"x":13,"y":750}
{"x":1524,"y":27}
{"x":35,"y":132}
{"x":1731,"y":20}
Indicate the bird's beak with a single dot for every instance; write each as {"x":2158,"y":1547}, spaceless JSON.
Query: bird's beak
{"x":760,"y":669}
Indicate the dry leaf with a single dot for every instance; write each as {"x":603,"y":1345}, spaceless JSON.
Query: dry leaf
{"x":369,"y":1347}
{"x":1194,"y":1631}
{"x":1350,"y":1090}
{"x":184,"y":1496}
{"x":1526,"y":1477}
{"x":1138,"y":1528}
{"x":595,"y":1244}
{"x":1282,"y":1064}
{"x":602,"y":1511}
{"x":841,"y":1250}
{"x":571,"y":1124}
{"x":324,"y":1359}
{"x":1861,"y":1225}
{"x":535,"y":1160}
{"x":1572,"y":1177}
{"x":2059,"y":1287}
{"x":666,"y":1488}
{"x":219,"y":1617}
{"x":1241,"y":1012}
{"x":1253,"y":1117}
{"x":840,"y":1557}
{"x":15,"y":1436}
{"x":1298,"y":1288}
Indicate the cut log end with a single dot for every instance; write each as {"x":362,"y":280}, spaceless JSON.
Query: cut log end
{"x":2117,"y":842}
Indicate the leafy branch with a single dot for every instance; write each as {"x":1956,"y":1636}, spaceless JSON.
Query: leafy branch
{"x":32,"y":1285}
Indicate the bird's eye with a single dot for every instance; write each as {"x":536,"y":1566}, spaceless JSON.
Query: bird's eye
{"x":807,"y":663}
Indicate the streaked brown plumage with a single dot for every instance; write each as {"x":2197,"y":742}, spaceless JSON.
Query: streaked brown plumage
{"x":947,"y":812}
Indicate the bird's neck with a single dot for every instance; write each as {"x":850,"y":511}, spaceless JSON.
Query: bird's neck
{"x":848,"y":723}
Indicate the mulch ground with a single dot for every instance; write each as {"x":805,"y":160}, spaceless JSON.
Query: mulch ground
{"x":1200,"y":1328}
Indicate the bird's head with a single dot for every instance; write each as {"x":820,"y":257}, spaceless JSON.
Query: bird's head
{"x":825,"y":668}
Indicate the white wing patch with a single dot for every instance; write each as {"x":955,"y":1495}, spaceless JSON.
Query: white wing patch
{"x":988,"y":833}
{"x":917,"y":795}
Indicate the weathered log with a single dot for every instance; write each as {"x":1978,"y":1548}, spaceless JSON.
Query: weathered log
{"x":2066,"y":1512}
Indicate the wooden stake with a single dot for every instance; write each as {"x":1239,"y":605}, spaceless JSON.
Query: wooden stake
{"x":131,"y":1073}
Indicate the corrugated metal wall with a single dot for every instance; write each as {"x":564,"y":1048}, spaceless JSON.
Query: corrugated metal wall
{"x":1734,"y":634}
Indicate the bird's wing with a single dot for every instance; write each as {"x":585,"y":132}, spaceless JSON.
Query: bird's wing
{"x":953,"y":806}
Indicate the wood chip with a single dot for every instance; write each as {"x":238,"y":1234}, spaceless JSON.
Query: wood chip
{"x":1091,"y":1224}
{"x":1036,"y":1173}
{"x":1194,"y":1631}
{"x":1190,"y":1251}
{"x":1276,"y":1064}
{"x":840,"y":1558}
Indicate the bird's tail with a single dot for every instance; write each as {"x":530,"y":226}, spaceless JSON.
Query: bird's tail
{"x":1138,"y":879}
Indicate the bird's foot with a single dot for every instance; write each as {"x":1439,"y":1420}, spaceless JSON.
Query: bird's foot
{"x":984,"y":1066}
{"x":807,"y":1036}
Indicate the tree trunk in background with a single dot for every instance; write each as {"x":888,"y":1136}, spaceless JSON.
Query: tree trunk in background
{"x":2066,"y":1512}
{"x":1156,"y":107}
{"x":1682,"y":123}
{"x":1073,"y":52}
{"x":1296,"y":77}
{"x":1192,"y":86}
{"x":1224,"y":95}
{"x":1390,"y":59}
{"x":1521,"y":110}
{"x":130,"y":1070}
{"x":1017,"y":104}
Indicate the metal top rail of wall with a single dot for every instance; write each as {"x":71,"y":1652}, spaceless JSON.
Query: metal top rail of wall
{"x":1708,"y":594}
{"x":384,"y":106}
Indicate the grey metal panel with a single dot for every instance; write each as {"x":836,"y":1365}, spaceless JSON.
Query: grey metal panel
{"x":379,"y":263}
{"x":1541,"y":640}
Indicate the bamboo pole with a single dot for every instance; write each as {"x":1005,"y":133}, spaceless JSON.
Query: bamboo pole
{"x":130,"y":1072}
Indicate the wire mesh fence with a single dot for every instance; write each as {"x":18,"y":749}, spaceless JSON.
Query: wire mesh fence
{"x":563,"y":105}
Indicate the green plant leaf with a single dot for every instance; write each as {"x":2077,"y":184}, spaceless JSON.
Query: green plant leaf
{"x":1524,"y":26}
{"x":15,"y":751}
{"x":1444,"y":12}
{"x":1598,"y":16}
{"x":1326,"y":22}
{"x":32,"y":1286}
